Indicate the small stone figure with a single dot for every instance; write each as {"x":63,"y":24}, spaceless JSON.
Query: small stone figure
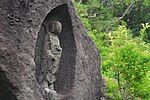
{"x":54,"y":52}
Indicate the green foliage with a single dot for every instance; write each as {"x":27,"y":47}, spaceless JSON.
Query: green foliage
{"x":82,"y":12}
{"x":143,"y":32}
{"x":125,"y":63}
{"x":104,"y":17}
{"x":112,"y":88}
{"x":128,"y":61}
{"x":125,"y":59}
{"x":95,"y":16}
{"x":138,"y":13}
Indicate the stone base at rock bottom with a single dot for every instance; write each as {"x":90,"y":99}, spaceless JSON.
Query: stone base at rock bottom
{"x":51,"y":95}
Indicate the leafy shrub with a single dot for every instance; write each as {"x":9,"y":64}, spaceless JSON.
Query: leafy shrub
{"x":128,"y":61}
{"x":125,"y":60}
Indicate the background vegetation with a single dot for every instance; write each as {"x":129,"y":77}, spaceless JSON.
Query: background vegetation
{"x":121,"y":32}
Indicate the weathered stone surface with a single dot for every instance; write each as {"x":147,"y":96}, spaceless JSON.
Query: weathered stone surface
{"x":20,"y":49}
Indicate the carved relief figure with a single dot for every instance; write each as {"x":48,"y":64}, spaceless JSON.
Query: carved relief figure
{"x":52,"y":55}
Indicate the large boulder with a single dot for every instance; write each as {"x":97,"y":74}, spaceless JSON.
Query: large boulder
{"x":21,"y":41}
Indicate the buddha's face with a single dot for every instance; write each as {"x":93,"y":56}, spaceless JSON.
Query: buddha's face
{"x":55,"y":27}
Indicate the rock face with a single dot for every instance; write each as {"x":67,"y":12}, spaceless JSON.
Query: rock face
{"x":21,"y":44}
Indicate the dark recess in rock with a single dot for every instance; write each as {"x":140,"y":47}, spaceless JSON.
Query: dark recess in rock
{"x":66,"y":73}
{"x":6,"y":88}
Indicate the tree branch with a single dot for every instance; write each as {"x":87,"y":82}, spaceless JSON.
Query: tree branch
{"x":127,"y":11}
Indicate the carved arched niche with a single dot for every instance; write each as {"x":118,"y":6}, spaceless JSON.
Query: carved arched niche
{"x":65,"y":77}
